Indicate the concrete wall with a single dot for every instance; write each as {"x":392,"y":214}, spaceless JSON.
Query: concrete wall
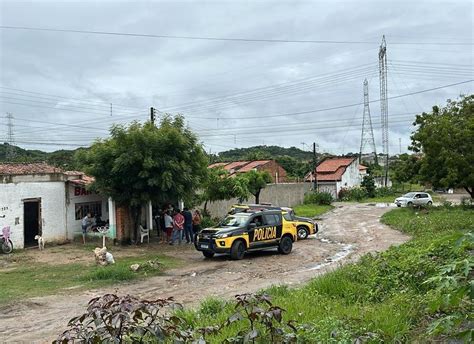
{"x":287,"y":195}
{"x":53,"y":209}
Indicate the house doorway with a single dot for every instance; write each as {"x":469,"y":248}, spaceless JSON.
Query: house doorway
{"x":31,"y":220}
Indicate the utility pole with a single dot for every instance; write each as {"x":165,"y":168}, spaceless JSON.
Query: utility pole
{"x":152,"y":115}
{"x":367,"y":137}
{"x":11,"y":153}
{"x":384,"y":102}
{"x":111,"y":110}
{"x":315,"y":165}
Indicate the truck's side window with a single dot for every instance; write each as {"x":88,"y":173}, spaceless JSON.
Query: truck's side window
{"x":272,"y":219}
{"x":258,"y":220}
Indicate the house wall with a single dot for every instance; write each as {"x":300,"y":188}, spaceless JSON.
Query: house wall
{"x":53,"y":209}
{"x":274,"y":168}
{"x":329,"y":187}
{"x":351,"y":176}
{"x":285,"y":195}
{"x":78,"y":194}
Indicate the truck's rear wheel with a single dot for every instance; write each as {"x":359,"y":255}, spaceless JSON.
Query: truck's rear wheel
{"x":237,"y":250}
{"x":303,"y":232}
{"x":208,"y":254}
{"x":286,"y":245}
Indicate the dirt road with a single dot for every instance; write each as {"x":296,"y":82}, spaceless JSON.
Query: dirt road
{"x":347,"y":232}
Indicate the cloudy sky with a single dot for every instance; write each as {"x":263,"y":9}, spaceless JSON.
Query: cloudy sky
{"x":306,"y":87}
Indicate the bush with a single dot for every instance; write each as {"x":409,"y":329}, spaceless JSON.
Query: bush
{"x":352,"y":194}
{"x":368,"y":184}
{"x":208,"y":221}
{"x":322,"y":198}
{"x":384,"y":191}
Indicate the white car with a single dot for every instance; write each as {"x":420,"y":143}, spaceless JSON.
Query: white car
{"x":414,"y":198}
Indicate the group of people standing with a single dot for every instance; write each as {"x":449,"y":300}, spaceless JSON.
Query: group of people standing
{"x":175,"y":225}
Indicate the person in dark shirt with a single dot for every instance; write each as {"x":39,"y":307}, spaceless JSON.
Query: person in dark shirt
{"x":188,"y":225}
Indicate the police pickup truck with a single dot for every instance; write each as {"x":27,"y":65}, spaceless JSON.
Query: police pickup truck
{"x":304,"y":226}
{"x":247,"y":231}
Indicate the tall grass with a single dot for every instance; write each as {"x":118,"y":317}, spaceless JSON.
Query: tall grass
{"x":382,"y":298}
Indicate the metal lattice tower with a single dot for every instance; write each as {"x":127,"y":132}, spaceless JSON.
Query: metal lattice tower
{"x":384,"y":102}
{"x":11,"y":153}
{"x":367,"y":138}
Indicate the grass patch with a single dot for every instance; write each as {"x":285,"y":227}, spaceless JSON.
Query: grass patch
{"x":385,"y":297}
{"x":31,"y":279}
{"x":311,"y":210}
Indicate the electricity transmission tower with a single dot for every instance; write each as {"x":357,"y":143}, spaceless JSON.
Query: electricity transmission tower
{"x":11,"y":153}
{"x":367,"y":138}
{"x":384,"y":103}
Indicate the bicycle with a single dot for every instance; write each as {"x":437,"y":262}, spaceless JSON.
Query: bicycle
{"x":6,"y":244}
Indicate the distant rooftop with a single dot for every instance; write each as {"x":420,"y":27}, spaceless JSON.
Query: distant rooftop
{"x":28,"y":168}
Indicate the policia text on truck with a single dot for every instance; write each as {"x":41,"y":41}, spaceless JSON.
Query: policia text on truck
{"x":247,"y":231}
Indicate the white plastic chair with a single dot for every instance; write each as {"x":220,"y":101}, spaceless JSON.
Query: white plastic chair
{"x":144,"y":232}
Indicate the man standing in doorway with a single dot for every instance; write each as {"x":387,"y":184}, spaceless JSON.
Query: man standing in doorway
{"x":188,"y":225}
{"x":86,"y":223}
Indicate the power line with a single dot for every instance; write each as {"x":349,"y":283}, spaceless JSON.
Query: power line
{"x":229,"y":39}
{"x":337,"y":107}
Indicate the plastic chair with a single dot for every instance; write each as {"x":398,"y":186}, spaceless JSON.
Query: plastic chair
{"x":144,"y":232}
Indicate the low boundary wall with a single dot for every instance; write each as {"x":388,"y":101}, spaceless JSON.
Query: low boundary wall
{"x":284,"y":195}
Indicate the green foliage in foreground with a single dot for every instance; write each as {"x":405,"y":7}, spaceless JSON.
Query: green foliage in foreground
{"x":398,"y":295}
{"x":38,"y":279}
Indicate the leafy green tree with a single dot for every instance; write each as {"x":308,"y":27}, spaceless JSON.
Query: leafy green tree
{"x":445,"y":137}
{"x":406,"y":169}
{"x":294,"y":167}
{"x":257,"y":180}
{"x":141,"y":163}
{"x":241,"y":188}
{"x":368,"y":183}
{"x":218,"y":186}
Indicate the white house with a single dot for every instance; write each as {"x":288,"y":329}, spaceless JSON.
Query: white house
{"x":333,"y":174}
{"x":40,"y":199}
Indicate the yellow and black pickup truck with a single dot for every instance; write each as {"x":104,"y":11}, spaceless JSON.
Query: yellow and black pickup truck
{"x":247,"y":231}
{"x":304,"y":226}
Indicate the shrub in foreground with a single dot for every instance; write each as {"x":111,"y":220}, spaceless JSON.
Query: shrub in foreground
{"x":321,"y":198}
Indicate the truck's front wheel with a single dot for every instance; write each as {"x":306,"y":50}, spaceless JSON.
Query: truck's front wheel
{"x":208,"y":254}
{"x":237,"y":250}
{"x":286,"y":245}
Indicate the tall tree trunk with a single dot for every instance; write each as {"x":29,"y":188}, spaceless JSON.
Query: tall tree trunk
{"x":257,"y":196}
{"x":469,"y":191}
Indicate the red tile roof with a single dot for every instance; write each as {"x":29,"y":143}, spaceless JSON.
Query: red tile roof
{"x":235,"y":165}
{"x":332,"y":164}
{"x":217,"y":164}
{"x":83,"y":180}
{"x":254,"y":164}
{"x":333,"y":169}
{"x":27,"y":168}
{"x":362,"y":167}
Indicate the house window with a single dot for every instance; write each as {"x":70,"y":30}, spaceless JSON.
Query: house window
{"x":95,"y":208}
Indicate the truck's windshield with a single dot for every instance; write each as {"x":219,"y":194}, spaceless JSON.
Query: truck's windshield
{"x":236,"y":220}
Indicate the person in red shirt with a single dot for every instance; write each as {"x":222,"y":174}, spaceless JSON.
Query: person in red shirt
{"x":178,"y":227}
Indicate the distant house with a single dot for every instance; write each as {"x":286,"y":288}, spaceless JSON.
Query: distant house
{"x":363,"y":171}
{"x":275,"y":170}
{"x":333,"y":174}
